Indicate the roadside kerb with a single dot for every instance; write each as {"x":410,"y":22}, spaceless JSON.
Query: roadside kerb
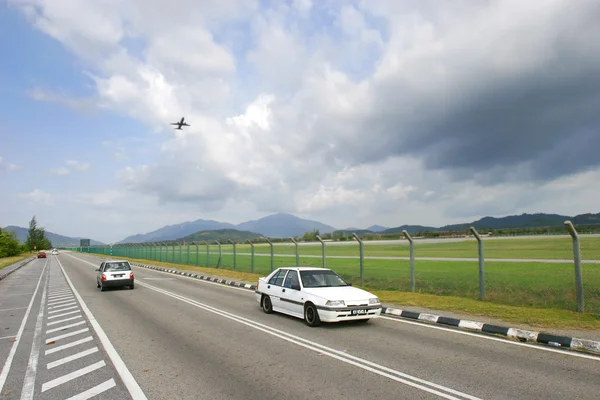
{"x":521,"y":335}
{"x":23,"y":263}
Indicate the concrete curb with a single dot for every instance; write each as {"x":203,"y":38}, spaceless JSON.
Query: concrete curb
{"x":513,"y":333}
{"x":23,"y":263}
{"x":197,"y":276}
{"x":521,"y":335}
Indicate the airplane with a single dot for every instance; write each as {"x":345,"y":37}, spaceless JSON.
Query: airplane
{"x":180,"y":124}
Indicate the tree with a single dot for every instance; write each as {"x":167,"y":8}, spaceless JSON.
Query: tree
{"x":9,"y":244}
{"x":37,"y":237}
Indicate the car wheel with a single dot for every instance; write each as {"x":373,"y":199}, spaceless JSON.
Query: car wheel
{"x":266,"y":304}
{"x":131,"y":286}
{"x":102,"y":289}
{"x":97,"y":283}
{"x":311,"y":316}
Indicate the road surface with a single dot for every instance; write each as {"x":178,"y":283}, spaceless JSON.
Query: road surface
{"x":177,"y":338}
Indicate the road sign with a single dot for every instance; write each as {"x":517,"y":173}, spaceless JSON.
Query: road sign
{"x":84,"y":242}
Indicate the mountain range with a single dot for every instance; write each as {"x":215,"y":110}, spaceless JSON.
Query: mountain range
{"x":283,"y":225}
{"x":56,"y":239}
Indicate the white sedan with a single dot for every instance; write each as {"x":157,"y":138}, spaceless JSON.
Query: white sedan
{"x":315,"y":295}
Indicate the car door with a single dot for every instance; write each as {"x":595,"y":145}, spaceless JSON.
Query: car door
{"x":292,"y":299}
{"x":274,"y":289}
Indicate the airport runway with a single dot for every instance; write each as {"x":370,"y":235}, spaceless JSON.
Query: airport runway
{"x":179,"y":338}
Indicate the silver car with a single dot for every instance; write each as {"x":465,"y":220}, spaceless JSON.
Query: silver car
{"x":114,"y":273}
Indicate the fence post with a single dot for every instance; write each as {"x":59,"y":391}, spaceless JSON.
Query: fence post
{"x":252,"y":256}
{"x":481,"y":263}
{"x":234,"y":255}
{"x":577,"y":262}
{"x":197,"y":254}
{"x":362,"y":258}
{"x":173,"y":253}
{"x":412,"y":259}
{"x":323,"y":252}
{"x":297,"y":254}
{"x":272,"y":254}
{"x":207,"y":253}
{"x":220,"y":254}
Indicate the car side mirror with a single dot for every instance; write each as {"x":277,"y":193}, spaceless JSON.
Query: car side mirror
{"x":295,"y":286}
{"x":98,"y":269}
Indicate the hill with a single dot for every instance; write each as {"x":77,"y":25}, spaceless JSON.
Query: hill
{"x":172,"y":232}
{"x":222,"y":235}
{"x":377,"y":228}
{"x":56,"y":239}
{"x":538,"y":220}
{"x":283,"y":225}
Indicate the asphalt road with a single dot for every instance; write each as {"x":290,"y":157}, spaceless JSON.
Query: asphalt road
{"x":180,"y":338}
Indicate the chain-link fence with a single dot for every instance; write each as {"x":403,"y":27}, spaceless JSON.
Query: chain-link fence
{"x":554,"y":271}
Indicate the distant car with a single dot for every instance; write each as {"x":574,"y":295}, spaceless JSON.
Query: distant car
{"x":315,"y":295}
{"x":54,"y":252}
{"x":114,"y":273}
{"x":41,"y":254}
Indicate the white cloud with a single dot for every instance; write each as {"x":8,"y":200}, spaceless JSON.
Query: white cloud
{"x":9,"y":166}
{"x":38,"y":196}
{"x":79,"y":166}
{"x":355,"y":113}
{"x":60,"y":171}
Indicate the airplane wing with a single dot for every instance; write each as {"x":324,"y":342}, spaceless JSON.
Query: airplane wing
{"x":174,"y":123}
{"x":186,"y":124}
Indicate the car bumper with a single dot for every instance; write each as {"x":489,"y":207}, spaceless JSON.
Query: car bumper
{"x":117,"y":283}
{"x":333,"y":315}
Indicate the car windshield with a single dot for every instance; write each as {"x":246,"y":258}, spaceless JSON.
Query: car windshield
{"x":120,"y":266}
{"x":326,"y":278}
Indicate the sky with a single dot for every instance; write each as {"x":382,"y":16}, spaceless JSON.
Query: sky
{"x":351,"y":113}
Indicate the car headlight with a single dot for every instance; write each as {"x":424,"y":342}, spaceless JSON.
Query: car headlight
{"x":374,"y":300}
{"x":334,"y":303}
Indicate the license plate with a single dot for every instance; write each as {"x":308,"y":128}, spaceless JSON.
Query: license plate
{"x":358,"y":312}
{"x":118,"y":276}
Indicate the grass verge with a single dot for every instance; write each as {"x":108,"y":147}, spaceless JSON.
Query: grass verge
{"x":6,"y":261}
{"x":542,"y":318}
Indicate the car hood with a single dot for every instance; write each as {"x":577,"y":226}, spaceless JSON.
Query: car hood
{"x":349,"y":293}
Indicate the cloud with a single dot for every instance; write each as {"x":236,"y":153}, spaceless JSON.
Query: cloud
{"x":80,"y":104}
{"x":420,"y":111}
{"x":38,"y":196}
{"x":9,"y":166}
{"x":60,"y":171}
{"x":79,"y":166}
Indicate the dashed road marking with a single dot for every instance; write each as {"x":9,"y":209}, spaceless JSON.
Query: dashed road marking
{"x":75,"y":356}
{"x":69,"y":345}
{"x":63,"y":320}
{"x":73,"y":375}
{"x":88,"y":394}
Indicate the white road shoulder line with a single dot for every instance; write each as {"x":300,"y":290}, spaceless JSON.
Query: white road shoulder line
{"x":12,"y":309}
{"x":510,"y":342}
{"x":66,"y":335}
{"x":96,"y":390}
{"x":8,"y":337}
{"x":63,"y":320}
{"x":31,"y":372}
{"x":69,"y":345}
{"x":73,"y":375}
{"x":132,"y":386}
{"x":60,"y":328}
{"x":13,"y":349}
{"x":75,"y":356}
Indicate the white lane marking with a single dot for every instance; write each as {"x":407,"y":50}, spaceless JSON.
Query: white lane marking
{"x":13,"y":349}
{"x":54,"y":295}
{"x":69,"y":345}
{"x":395,"y":375}
{"x":8,"y":337}
{"x":72,"y":358}
{"x":130,"y":383}
{"x":60,"y":328}
{"x":62,"y":309}
{"x":62,"y":303}
{"x":34,"y":355}
{"x":17,"y":294}
{"x":73,"y":375}
{"x":96,"y":390}
{"x":66,"y":335}
{"x":531,"y":346}
{"x":12,"y":309}
{"x":62,"y":315}
{"x":63,"y":320}
{"x":60,"y":298}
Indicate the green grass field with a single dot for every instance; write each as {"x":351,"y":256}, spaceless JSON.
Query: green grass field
{"x":531,"y":284}
{"x":6,"y":261}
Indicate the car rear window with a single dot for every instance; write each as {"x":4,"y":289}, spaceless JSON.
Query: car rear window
{"x":119,"y":266}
